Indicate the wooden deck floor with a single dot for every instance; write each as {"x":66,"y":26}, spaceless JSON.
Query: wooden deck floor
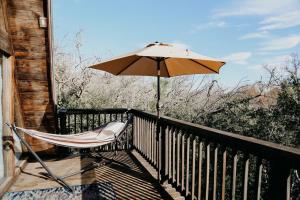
{"x":130,"y":179}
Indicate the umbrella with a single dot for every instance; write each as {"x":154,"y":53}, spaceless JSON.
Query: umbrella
{"x":161,"y":60}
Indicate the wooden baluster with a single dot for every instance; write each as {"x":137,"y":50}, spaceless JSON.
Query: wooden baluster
{"x":170,"y":153}
{"x":93,"y":121}
{"x":136,"y":130}
{"x":145,"y":136}
{"x":133,"y":131}
{"x":246,"y":176}
{"x":207,"y":171}
{"x":69,"y":129}
{"x":105,"y":118}
{"x":215,"y":172}
{"x":288,"y":186}
{"x":127,"y":137}
{"x":159,"y":152}
{"x":148,"y":139}
{"x":167,"y":151}
{"x":187,"y":166}
{"x":193,"y":167}
{"x":155,"y":147}
{"x":200,"y":157}
{"x":178,"y":159}
{"x":142,"y":135}
{"x":81,"y":123}
{"x":224,"y":173}
{"x":258,"y":177}
{"x":87,"y":122}
{"x":182,"y":161}
{"x":139,"y":133}
{"x":152,"y":141}
{"x":173,"y":154}
{"x":75,"y":124}
{"x":99,"y":118}
{"x":234,"y":167}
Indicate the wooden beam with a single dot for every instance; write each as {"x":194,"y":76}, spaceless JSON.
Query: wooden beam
{"x":8,"y":114}
{"x":5,"y":40}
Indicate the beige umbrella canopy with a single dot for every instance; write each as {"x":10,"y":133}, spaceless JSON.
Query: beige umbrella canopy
{"x":161,"y":60}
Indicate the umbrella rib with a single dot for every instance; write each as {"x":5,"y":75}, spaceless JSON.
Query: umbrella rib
{"x":162,"y":59}
{"x":129,"y":65}
{"x":204,"y":66}
{"x":167,"y":68}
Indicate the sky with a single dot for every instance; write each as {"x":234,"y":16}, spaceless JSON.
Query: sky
{"x":247,"y":34}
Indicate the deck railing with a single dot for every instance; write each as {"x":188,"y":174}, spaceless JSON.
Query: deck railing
{"x":71,"y":121}
{"x":205,"y":163}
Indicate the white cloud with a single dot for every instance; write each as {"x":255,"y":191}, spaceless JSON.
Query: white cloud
{"x":277,"y":14}
{"x":281,"y":43}
{"x":280,"y":59}
{"x":212,"y":24}
{"x":209,"y":25}
{"x":278,"y":62}
{"x":285,"y":20}
{"x":240,"y":58}
{"x":255,"y":35}
{"x":258,"y":7}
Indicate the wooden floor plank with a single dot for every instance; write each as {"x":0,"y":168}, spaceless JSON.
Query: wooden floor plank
{"x":130,"y":179}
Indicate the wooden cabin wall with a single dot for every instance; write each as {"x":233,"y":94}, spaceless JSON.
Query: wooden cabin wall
{"x":5,"y":43}
{"x":32,"y":66}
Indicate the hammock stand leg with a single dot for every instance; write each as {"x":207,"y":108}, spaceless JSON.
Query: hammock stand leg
{"x":93,"y":165}
{"x":56,"y":178}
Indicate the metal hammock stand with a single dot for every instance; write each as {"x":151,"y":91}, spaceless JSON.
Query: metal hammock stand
{"x":92,"y":165}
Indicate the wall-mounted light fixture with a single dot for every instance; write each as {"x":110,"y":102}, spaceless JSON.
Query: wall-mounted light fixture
{"x":43,"y":22}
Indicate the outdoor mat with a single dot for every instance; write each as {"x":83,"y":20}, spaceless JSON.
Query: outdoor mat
{"x":101,"y":190}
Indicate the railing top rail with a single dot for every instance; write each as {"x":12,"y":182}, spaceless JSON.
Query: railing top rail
{"x":265,"y":149}
{"x":93,"y":111}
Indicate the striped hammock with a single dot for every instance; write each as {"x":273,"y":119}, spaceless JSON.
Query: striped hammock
{"x":88,"y":139}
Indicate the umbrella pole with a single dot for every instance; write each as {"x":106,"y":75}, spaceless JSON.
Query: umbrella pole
{"x":158,"y":121}
{"x":158,"y":88}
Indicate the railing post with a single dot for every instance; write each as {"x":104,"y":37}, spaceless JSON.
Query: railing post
{"x":163,"y":152}
{"x":158,"y":149}
{"x":62,"y":113}
{"x":278,"y":179}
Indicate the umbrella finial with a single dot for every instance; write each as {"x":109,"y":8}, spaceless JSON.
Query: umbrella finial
{"x":187,"y":51}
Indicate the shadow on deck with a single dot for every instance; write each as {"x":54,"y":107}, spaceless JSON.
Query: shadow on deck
{"x":130,"y":180}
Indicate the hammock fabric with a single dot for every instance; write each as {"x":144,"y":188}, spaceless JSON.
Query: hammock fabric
{"x":89,"y":139}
